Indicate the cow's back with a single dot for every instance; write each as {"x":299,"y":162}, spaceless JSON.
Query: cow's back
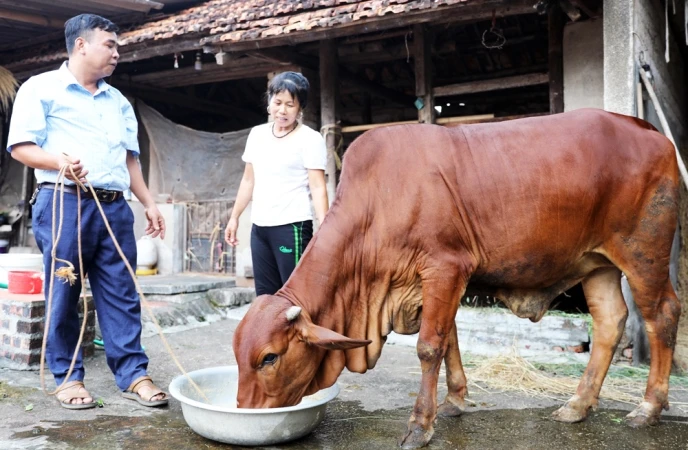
{"x":528,"y":191}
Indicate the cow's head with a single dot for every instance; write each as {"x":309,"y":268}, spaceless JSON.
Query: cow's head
{"x":280,"y":351}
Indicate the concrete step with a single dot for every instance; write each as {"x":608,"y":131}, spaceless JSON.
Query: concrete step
{"x":190,"y":310}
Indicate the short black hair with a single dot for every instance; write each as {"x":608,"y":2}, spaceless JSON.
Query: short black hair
{"x":83,"y":25}
{"x":293,"y":82}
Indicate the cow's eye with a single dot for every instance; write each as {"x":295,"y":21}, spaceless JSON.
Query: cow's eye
{"x":270,"y":358}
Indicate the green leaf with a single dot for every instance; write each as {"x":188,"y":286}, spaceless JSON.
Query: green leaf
{"x":28,"y":407}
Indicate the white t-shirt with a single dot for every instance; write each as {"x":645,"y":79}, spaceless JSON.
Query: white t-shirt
{"x":281,"y":192}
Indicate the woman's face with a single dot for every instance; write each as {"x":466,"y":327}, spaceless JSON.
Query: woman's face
{"x":284,"y":109}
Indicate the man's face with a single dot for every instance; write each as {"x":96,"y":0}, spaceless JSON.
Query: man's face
{"x":100,"y":51}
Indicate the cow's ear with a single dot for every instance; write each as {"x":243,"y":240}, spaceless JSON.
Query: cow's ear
{"x":325,"y":338}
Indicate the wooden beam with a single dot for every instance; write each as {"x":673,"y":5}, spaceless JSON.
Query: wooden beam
{"x":422,"y":50}
{"x":400,"y":51}
{"x":328,"y":109}
{"x":33,"y":19}
{"x":495,"y":84}
{"x":211,"y":73}
{"x":556,"y":59}
{"x":344,"y":75}
{"x":187,"y":101}
{"x":463,"y":12}
{"x":150,"y":49}
{"x":132,"y":5}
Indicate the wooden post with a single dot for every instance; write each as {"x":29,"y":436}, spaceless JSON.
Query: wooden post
{"x":556,"y":60}
{"x":328,"y":108}
{"x":27,"y":192}
{"x":423,"y":68}
{"x":366,"y":109}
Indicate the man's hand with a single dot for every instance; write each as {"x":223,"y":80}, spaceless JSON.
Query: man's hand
{"x":73,"y":165}
{"x":156,"y":223}
{"x":230,"y":232}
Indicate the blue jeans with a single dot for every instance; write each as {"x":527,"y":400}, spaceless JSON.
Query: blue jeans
{"x":114,"y":293}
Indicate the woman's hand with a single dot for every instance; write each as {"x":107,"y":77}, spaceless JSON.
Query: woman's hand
{"x":231,"y":231}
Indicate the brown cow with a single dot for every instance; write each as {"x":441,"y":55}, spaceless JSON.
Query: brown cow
{"x":520,"y":210}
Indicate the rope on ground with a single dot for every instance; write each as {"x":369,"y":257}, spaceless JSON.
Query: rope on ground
{"x":66,"y":273}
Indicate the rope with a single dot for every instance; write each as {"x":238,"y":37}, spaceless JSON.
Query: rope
{"x":336,"y":130}
{"x":68,"y":275}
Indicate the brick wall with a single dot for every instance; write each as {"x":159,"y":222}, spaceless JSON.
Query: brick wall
{"x":21,"y":330}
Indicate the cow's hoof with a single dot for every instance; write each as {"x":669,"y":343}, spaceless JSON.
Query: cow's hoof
{"x":451,"y":409}
{"x":644,"y":415}
{"x":416,"y":438}
{"x":570,"y":414}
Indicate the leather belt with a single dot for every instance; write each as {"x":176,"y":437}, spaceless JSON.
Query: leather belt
{"x":103,"y":195}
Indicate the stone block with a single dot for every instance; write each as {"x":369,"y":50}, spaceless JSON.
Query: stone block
{"x":231,"y":297}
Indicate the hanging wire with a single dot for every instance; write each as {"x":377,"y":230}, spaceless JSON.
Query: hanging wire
{"x":494,"y":37}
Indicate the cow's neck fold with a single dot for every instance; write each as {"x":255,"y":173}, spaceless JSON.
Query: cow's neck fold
{"x":319,"y":281}
{"x":326,"y":285}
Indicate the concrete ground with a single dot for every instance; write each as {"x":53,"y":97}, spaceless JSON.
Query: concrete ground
{"x":370,"y":412}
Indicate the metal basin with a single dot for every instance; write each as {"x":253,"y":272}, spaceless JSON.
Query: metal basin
{"x":220,"y":420}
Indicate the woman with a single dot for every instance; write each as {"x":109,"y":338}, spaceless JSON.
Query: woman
{"x":285,"y":163}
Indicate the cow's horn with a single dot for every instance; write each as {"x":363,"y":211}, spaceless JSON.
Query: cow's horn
{"x":293,"y":313}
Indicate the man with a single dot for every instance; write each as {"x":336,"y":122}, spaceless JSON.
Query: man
{"x":72,"y":118}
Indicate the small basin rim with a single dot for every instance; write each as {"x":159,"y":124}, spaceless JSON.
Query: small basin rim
{"x":174,"y":387}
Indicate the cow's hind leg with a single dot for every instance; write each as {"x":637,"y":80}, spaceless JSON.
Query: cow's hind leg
{"x":442,"y":290}
{"x":454,"y":404}
{"x":602,"y":290}
{"x":661,"y":310}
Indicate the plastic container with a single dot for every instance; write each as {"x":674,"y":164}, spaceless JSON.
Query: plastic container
{"x":24,"y":282}
{"x":19,"y":261}
{"x":220,"y":420}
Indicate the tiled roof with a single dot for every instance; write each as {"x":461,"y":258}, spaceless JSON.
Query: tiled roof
{"x":242,"y":20}
{"x":228,"y":21}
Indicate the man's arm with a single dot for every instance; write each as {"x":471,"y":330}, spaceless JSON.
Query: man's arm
{"x":156,"y":223}
{"x":33,"y":156}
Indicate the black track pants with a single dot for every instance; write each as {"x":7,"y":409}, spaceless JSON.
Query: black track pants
{"x":276,"y":251}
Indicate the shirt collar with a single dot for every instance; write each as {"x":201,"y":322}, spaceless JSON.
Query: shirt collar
{"x":68,"y":79}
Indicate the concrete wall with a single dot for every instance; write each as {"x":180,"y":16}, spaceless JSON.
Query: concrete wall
{"x":669,"y":80}
{"x":619,"y":68}
{"x":583,"y":65}
{"x":635,"y":31}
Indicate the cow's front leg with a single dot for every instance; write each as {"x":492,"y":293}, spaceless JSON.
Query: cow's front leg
{"x":454,"y":404}
{"x":440,"y":303}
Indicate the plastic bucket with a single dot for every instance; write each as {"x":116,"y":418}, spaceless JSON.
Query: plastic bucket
{"x":24,"y":282}
{"x":19,"y":261}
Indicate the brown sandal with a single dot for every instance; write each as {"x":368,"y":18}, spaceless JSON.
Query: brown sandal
{"x":73,"y":390}
{"x":132,"y":393}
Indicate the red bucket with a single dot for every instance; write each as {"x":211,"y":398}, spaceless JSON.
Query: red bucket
{"x":24,"y":282}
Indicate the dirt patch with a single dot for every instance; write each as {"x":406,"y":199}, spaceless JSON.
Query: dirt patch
{"x":8,"y":392}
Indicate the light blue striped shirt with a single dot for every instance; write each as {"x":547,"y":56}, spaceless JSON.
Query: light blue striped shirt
{"x":55,"y":112}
